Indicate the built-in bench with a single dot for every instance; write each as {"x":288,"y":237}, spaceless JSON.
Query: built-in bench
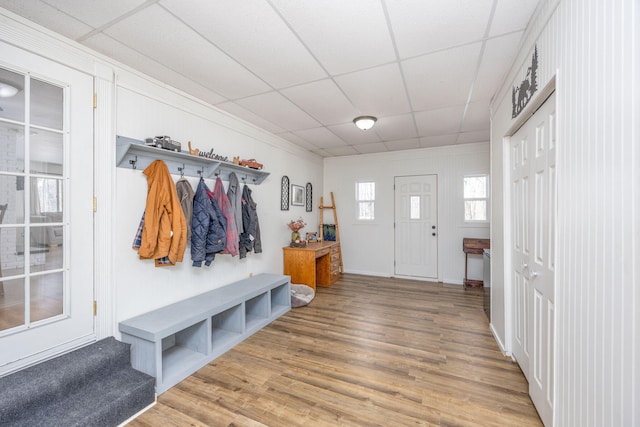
{"x":173,"y":342}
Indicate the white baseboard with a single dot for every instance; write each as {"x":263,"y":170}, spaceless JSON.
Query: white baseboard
{"x":497,"y":338}
{"x":140,"y":412}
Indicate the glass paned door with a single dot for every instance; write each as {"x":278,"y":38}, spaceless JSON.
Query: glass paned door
{"x":46,"y":220}
{"x":31,"y":199}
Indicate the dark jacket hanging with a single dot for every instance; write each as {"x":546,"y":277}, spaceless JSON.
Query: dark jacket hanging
{"x":208,"y":234}
{"x":250,"y":238}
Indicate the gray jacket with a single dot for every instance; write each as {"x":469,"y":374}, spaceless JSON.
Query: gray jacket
{"x":185,"y":195}
{"x":235,"y":198}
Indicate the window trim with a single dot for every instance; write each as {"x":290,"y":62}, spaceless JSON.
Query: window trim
{"x":487,"y":199}
{"x":358,"y":201}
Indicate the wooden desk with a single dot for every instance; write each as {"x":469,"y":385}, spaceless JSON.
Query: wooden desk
{"x":318,"y":264}
{"x":477,"y":247}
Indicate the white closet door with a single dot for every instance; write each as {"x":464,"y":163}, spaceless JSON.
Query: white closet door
{"x":533,"y":192}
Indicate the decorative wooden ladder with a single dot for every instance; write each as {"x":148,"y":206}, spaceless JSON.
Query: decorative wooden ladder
{"x":335,"y":222}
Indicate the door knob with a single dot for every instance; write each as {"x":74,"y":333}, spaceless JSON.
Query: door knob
{"x":433,"y":227}
{"x":433,"y":234}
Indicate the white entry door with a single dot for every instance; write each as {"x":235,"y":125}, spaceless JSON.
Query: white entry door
{"x":533,"y":218}
{"x":416,"y":226}
{"x":46,"y":227}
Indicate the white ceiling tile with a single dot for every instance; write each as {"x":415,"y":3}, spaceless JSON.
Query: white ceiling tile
{"x":377,"y":92}
{"x":512,"y":15}
{"x":396,"y":127}
{"x":278,"y":110}
{"x":321,"y":152}
{"x":343,"y":35}
{"x":376,"y":147}
{"x":255,"y":35}
{"x":157,"y":34}
{"x":47,"y":16}
{"x":95,"y":13}
{"x":120,"y":52}
{"x":423,"y":26}
{"x":477,"y":136}
{"x":476,"y":117}
{"x":238,"y":111}
{"x":498,"y":56}
{"x":291,"y":137}
{"x":436,"y":141}
{"x":341,"y":151}
{"x":349,"y":133}
{"x":403,"y":144}
{"x":439,"y":122}
{"x":323,"y":100}
{"x":442,"y":78}
{"x":320,"y":137}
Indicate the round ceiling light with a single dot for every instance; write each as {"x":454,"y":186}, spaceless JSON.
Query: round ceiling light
{"x":365,"y":122}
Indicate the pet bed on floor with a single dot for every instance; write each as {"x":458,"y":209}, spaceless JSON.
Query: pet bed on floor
{"x":301,"y":295}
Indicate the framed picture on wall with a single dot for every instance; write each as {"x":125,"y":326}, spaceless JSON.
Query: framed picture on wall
{"x":297,"y":195}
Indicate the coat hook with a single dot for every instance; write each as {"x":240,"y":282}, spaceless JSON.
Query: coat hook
{"x":133,"y":162}
{"x":181,"y":170}
{"x":200,"y":172}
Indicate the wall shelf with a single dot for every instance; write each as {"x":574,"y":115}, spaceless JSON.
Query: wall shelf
{"x":134,"y":154}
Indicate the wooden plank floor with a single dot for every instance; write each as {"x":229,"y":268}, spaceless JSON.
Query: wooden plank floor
{"x":367,"y":351}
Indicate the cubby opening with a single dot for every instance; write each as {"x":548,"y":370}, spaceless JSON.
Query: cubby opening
{"x":182,"y":348}
{"x":280,"y":299}
{"x":257,"y":310}
{"x":227,"y":327}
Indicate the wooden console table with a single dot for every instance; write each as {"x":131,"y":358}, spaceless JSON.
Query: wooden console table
{"x":317,"y":264}
{"x":476,"y":247}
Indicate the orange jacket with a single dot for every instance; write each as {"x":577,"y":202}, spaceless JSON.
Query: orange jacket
{"x":165,"y":228}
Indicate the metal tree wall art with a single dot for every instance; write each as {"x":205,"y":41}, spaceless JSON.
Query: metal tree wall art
{"x":521,"y":95}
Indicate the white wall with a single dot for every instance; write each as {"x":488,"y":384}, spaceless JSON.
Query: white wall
{"x":368,"y":248}
{"x":145,"y":109}
{"x":591,"y":49}
{"x":136,"y":106}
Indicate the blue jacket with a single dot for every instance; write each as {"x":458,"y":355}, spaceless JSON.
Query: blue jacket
{"x":208,"y":227}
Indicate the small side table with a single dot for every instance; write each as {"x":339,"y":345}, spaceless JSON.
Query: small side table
{"x":475,"y":247}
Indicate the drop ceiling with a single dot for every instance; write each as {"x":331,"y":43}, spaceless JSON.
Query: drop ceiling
{"x":303,"y":70}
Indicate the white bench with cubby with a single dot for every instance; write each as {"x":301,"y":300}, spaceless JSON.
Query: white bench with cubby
{"x":174,"y":341}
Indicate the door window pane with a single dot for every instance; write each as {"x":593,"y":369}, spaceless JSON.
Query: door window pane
{"x":46,"y":105}
{"x":11,"y":252}
{"x":11,"y":303}
{"x":415,"y":207}
{"x":46,"y":296}
{"x":46,"y":152}
{"x":11,"y":102}
{"x":11,"y":147}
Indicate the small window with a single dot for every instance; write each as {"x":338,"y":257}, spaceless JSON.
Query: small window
{"x":365,"y":200}
{"x":476,"y":198}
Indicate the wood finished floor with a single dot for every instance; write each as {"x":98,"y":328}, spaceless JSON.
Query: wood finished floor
{"x":367,"y":351}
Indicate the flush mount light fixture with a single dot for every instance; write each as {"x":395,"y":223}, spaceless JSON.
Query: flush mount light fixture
{"x":365,"y":122}
{"x":7,"y":91}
